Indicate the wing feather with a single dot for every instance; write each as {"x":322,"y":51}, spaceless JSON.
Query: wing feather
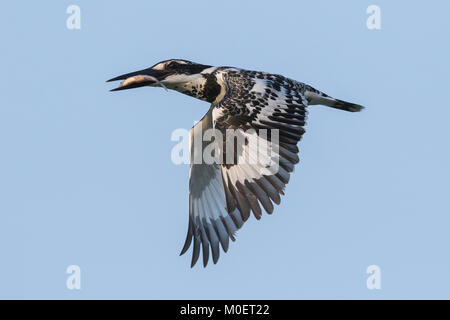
{"x":222,"y":196}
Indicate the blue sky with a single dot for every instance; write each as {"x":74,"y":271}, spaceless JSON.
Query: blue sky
{"x":86,"y":177}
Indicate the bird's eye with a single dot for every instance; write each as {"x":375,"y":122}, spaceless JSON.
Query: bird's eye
{"x":172,"y":64}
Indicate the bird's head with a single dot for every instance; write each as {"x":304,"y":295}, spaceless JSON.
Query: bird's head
{"x":187,"y":77}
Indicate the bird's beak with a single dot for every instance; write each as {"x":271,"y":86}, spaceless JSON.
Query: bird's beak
{"x":146,"y":77}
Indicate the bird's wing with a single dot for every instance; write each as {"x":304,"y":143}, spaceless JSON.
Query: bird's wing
{"x":210,"y":223}
{"x":223,"y":194}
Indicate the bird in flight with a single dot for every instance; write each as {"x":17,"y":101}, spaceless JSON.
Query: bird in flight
{"x":223,"y":194}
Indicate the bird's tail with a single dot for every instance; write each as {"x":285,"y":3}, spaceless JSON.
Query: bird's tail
{"x":316,"y":97}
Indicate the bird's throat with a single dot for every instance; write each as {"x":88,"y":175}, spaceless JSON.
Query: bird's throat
{"x":207,"y":88}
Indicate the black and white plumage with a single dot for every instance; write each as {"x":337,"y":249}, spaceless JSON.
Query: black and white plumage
{"x":222,"y":196}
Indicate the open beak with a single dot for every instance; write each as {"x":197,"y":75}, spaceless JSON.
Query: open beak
{"x":146,"y":77}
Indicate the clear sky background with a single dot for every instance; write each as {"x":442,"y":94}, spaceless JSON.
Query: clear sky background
{"x":86,"y":177}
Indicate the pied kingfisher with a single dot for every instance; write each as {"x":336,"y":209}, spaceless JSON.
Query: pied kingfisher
{"x":222,"y":196}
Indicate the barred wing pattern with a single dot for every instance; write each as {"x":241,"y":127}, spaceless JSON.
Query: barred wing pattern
{"x":223,"y":195}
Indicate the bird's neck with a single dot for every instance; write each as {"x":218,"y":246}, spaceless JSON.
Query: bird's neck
{"x":206,"y":87}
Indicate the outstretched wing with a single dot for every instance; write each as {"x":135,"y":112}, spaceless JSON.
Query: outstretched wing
{"x":266,"y":114}
{"x":210,"y":223}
